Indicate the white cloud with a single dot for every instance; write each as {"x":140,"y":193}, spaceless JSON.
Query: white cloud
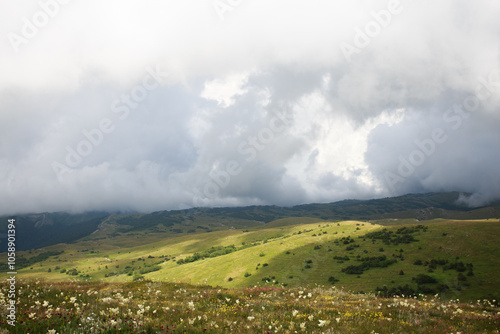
{"x":225,"y":83}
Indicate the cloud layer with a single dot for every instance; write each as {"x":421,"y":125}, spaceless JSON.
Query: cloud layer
{"x":142,"y":107}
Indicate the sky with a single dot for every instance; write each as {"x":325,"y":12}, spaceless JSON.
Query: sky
{"x":162,"y":105}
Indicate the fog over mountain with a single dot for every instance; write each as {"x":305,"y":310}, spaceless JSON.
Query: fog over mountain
{"x":134,"y":106}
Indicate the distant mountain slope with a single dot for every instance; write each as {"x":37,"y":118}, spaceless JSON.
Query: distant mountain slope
{"x":45,"y":229}
{"x":40,"y":230}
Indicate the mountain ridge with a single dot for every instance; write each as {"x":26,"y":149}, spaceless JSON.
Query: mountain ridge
{"x":45,"y":229}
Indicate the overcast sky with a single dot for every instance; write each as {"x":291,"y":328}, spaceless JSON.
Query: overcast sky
{"x":153,"y":105}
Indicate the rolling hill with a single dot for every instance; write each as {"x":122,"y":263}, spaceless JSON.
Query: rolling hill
{"x":454,"y":258}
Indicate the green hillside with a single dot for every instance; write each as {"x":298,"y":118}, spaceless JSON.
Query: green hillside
{"x":456,"y":259}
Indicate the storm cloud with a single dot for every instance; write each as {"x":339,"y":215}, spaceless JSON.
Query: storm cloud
{"x":167,"y":105}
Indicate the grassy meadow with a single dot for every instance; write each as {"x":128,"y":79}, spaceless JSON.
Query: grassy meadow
{"x":158,"y":307}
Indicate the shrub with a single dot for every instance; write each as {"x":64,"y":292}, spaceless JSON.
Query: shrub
{"x":247,"y":274}
{"x":353,"y":270}
{"x":146,"y":270}
{"x":72,"y":272}
{"x":332,"y":280}
{"x":400,"y":290}
{"x":367,"y":263}
{"x":458,"y":266}
{"x":424,"y":279}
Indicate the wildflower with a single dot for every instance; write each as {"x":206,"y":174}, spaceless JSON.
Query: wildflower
{"x":45,"y":303}
{"x":294,"y":313}
{"x":337,"y":319}
{"x":311,"y":317}
{"x":250,"y":318}
{"x":51,"y":331}
{"x":323,"y":323}
{"x":191,"y":305}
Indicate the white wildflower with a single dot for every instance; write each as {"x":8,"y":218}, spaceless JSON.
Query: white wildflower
{"x":323,"y":323}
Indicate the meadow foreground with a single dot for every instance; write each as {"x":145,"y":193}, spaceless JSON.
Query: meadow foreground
{"x":153,"y":307}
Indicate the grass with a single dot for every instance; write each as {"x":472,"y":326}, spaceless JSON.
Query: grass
{"x":159,"y":307}
{"x":280,"y":250}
